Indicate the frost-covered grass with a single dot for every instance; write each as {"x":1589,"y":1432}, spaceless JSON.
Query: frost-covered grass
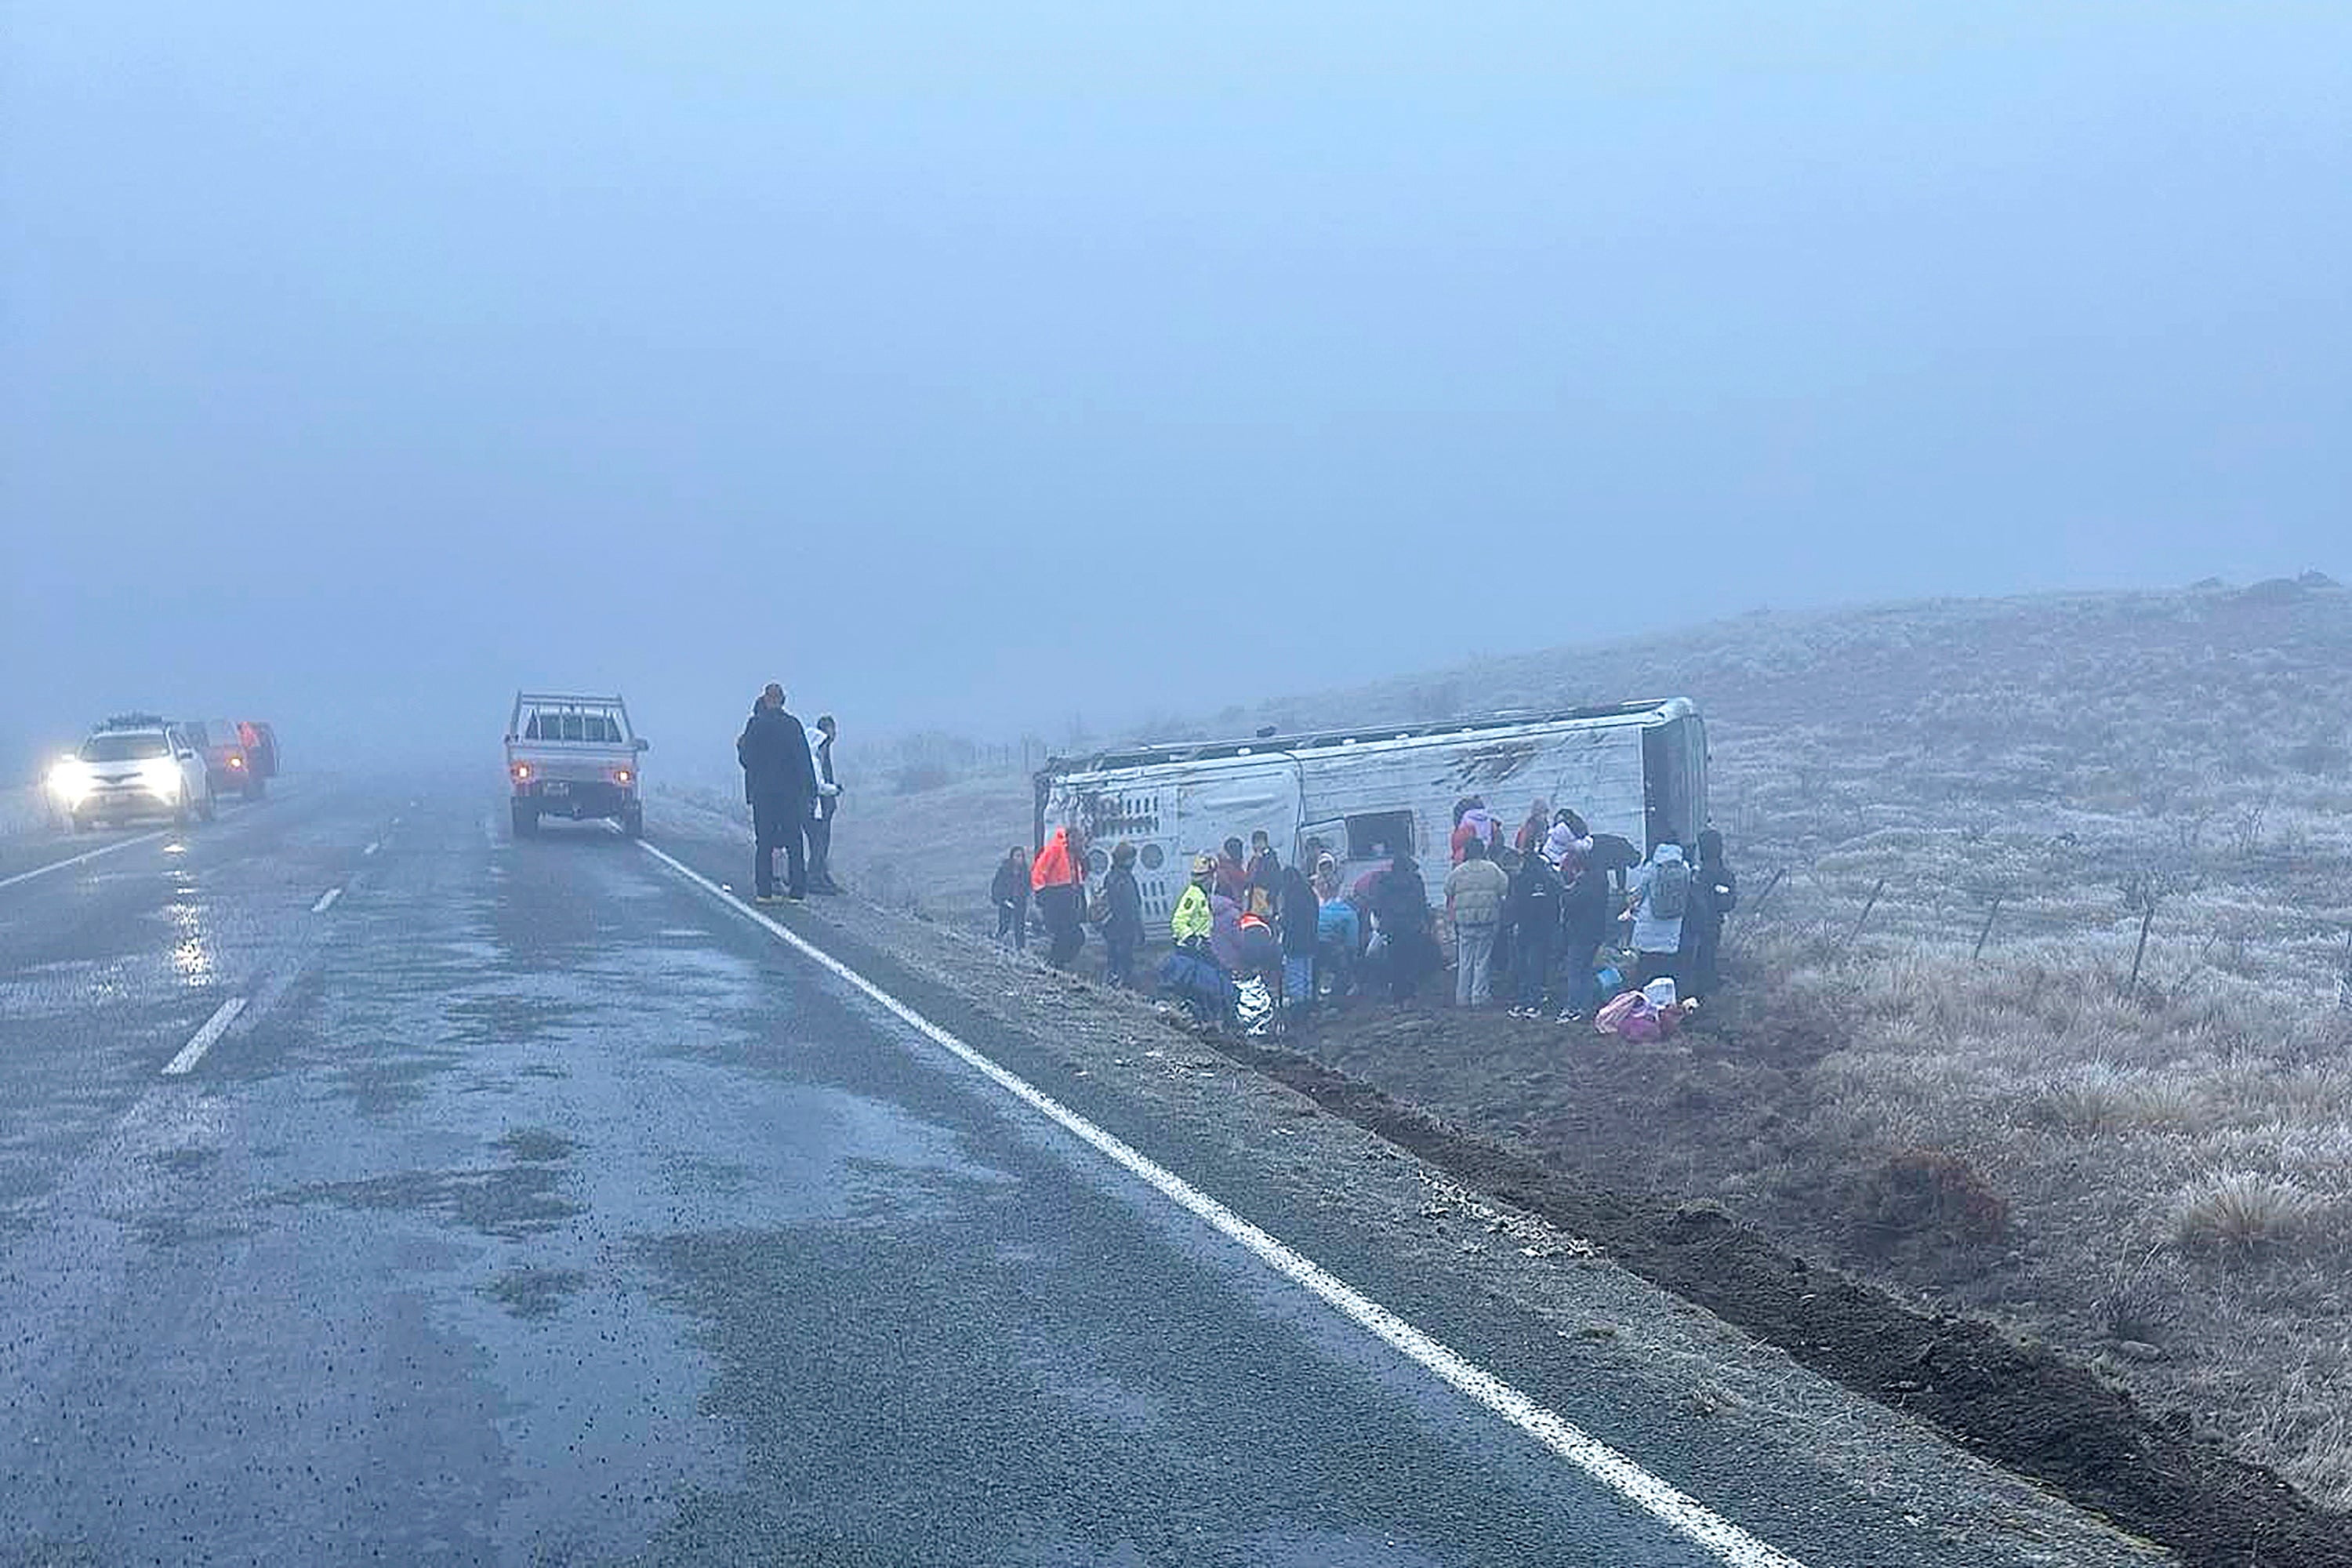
{"x":2048,"y":776}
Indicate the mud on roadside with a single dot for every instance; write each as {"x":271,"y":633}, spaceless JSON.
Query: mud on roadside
{"x":2020,"y":1405}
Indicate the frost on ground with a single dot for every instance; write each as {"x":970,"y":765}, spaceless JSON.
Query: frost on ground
{"x":2037,"y":986}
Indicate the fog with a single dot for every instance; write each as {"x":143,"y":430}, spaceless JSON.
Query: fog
{"x":979,"y":366}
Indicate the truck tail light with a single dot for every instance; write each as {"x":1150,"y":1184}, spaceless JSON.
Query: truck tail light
{"x":522,"y":772}
{"x":625,"y":775}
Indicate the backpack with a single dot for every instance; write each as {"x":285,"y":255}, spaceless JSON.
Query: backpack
{"x":1669,"y":895}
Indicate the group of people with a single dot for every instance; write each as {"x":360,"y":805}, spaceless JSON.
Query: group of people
{"x":1539,"y":913}
{"x":1552,"y":909}
{"x":789,"y":783}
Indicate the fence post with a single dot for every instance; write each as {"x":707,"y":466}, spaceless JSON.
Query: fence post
{"x":1986,"y":930}
{"x":2146,"y":919}
{"x":1868,"y":905}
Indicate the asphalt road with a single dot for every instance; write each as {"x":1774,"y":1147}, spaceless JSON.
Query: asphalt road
{"x":526,"y":1203}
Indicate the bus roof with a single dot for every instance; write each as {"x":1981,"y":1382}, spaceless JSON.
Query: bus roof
{"x":1654,"y":711}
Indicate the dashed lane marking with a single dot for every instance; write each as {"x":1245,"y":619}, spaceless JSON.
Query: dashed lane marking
{"x":326,"y":901}
{"x":372,"y":848}
{"x":202,"y":1040}
{"x":1725,"y":1541}
{"x":79,"y":859}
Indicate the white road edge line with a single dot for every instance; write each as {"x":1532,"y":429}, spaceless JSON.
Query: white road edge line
{"x":1660,"y":1500}
{"x":78,"y":859}
{"x":202,"y":1040}
{"x":326,"y":901}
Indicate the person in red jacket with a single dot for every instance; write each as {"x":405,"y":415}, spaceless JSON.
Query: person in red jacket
{"x":1057,"y":877}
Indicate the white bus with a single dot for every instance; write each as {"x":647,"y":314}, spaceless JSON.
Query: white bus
{"x":1637,"y":770}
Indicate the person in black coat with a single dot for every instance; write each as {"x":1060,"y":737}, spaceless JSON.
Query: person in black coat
{"x":1401,"y":905}
{"x":1122,"y":921}
{"x":1009,"y":891}
{"x":1297,"y":911}
{"x":1714,"y":891}
{"x":1532,"y":912}
{"x":780,"y":781}
{"x":1585,"y":917}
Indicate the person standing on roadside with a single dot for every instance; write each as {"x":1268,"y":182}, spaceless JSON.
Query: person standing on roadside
{"x":1233,"y":873}
{"x":1658,"y":897}
{"x":1057,"y":878}
{"x":1715,"y":892}
{"x":780,"y":781}
{"x":1533,"y":831}
{"x":1475,"y":891}
{"x":821,"y":809}
{"x":1009,"y":891}
{"x":1122,"y":912}
{"x":1533,"y":916}
{"x":1189,"y":924}
{"x":1299,"y":920}
{"x":1339,"y":931}
{"x":1584,"y":925}
{"x":1264,"y":889}
{"x":1401,"y":910}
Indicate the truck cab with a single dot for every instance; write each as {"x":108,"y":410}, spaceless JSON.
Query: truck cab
{"x":574,"y":756}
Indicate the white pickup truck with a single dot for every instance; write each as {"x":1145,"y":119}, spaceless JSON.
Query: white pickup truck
{"x":574,"y":756}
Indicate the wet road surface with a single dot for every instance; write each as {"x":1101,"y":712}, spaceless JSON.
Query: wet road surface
{"x":526,"y":1204}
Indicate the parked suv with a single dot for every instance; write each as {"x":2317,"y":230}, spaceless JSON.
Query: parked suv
{"x":134,"y":765}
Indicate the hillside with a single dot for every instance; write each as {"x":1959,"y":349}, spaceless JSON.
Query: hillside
{"x":1954,"y":819}
{"x":2048,"y":750}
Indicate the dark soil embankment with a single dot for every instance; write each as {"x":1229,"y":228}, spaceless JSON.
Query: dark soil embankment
{"x":2016,"y":1404}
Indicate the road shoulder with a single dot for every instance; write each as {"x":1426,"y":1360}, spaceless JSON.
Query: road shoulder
{"x":1832,"y":1477}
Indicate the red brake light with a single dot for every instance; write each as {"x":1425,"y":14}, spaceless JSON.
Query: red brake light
{"x":522,"y":770}
{"x":236,"y":761}
{"x":623,"y":775}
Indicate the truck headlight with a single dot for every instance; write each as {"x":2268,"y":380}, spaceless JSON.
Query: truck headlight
{"x":70,"y":781}
{"x":161,"y":777}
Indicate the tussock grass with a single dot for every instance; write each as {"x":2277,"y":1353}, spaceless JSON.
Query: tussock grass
{"x":2036,"y":774}
{"x":2240,"y":1211}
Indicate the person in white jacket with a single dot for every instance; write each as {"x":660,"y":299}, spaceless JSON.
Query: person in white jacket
{"x":1657,"y":897}
{"x":821,"y":737}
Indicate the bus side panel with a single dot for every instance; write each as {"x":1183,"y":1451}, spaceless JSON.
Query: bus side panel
{"x":1171,"y":813}
{"x":1237,"y":802}
{"x":1594,"y":770}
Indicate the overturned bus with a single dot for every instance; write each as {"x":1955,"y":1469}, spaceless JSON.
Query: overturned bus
{"x":1637,"y":770}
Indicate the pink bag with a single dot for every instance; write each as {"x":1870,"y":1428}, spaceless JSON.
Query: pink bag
{"x":1617,"y":1011}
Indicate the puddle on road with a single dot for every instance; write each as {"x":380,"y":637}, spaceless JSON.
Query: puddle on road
{"x":535,"y":1293}
{"x":537,"y":1145}
{"x":507,"y":1202}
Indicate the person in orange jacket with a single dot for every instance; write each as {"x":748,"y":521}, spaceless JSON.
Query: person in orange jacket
{"x":1058,"y":877}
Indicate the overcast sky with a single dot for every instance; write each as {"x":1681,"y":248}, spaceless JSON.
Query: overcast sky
{"x":974,"y":365}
